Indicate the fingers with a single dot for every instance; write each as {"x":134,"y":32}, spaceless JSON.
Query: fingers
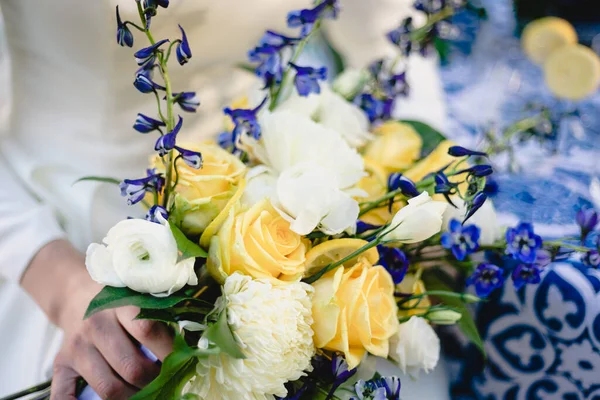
{"x":121,"y":353}
{"x":64,"y":380}
{"x":154,"y":335}
{"x":95,"y":370}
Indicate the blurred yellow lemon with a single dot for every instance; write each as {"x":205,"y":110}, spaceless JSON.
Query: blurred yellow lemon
{"x":572,"y":72}
{"x":334,"y":250}
{"x":543,"y":36}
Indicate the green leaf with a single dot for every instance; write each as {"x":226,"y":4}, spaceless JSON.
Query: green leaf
{"x":431,"y":137}
{"x":104,"y":179}
{"x":220,"y":334}
{"x":339,"y":64}
{"x":187,"y":248}
{"x":177,"y":369}
{"x":112,"y":297}
{"x":443,"y":48}
{"x":246,"y":67}
{"x":156,"y":315}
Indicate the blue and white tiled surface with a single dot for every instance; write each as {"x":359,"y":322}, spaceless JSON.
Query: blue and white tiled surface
{"x":542,"y":342}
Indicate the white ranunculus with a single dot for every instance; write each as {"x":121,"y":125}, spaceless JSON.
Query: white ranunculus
{"x":272,"y":324}
{"x":332,"y":111}
{"x":415,"y":347}
{"x":419,"y":220}
{"x":141,"y":255}
{"x":485,"y":218}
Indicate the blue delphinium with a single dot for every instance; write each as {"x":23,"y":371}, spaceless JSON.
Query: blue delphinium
{"x":394,"y":261}
{"x":143,"y":80}
{"x":268,"y":55}
{"x":124,"y":35}
{"x":486,"y":278}
{"x":377,"y":109}
{"x":184,"y":53}
{"x":192,"y":158}
{"x":135,"y":189}
{"x":398,"y":181}
{"x":188,"y":101}
{"x":587,"y":219}
{"x":458,"y":151}
{"x":156,"y":214}
{"x":145,"y":124}
{"x":475,"y":204}
{"x":306,"y":18}
{"x":307,"y":79}
{"x":592,"y":258}
{"x":526,"y":274}
{"x":462,"y":240}
{"x":384,"y":388}
{"x":147,"y":55}
{"x":245,"y":122}
{"x":401,"y":36}
{"x":166,"y":143}
{"x":522,"y":242}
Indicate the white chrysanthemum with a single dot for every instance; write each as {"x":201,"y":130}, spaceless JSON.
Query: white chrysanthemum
{"x":273,"y":326}
{"x":415,"y":347}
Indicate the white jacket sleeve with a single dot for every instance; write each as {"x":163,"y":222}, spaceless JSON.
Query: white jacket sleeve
{"x":25,"y":224}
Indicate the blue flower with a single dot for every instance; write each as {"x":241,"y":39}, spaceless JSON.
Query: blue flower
{"x":143,"y":80}
{"x":592,"y":258}
{"x":270,"y":68}
{"x":478,"y":171}
{"x":339,"y":368}
{"x":245,"y":121}
{"x":375,"y":108}
{"x":362,"y":227}
{"x":458,"y":151}
{"x":398,"y":181}
{"x":306,"y":80}
{"x":587,"y":219}
{"x":461,"y":240}
{"x":156,"y":214}
{"x":183,"y":51}
{"x":526,"y":274}
{"x":486,"y":278}
{"x":155,"y":3}
{"x":190,"y":157}
{"x":188,"y":101}
{"x":401,"y":36}
{"x":135,"y":189}
{"x":147,"y":55}
{"x":475,"y":205}
{"x":145,"y":124}
{"x":384,"y":388}
{"x":306,"y":18}
{"x":124,"y":35}
{"x":166,"y":143}
{"x":429,"y":6}
{"x":396,"y":85}
{"x":522,"y":242}
{"x":394,"y":261}
{"x":276,"y":40}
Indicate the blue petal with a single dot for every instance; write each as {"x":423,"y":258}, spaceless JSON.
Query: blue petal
{"x":184,"y":53}
{"x":191,"y":158}
{"x":148,"y":54}
{"x":145,"y":124}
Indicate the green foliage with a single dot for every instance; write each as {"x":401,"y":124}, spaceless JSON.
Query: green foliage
{"x":104,"y":179}
{"x":187,"y":248}
{"x":431,"y":137}
{"x":220,"y":334}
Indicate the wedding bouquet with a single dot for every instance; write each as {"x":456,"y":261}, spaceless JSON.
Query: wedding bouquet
{"x":314,"y":233}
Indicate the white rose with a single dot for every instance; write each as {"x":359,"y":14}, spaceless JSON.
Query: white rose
{"x":332,"y":111}
{"x":417,"y":221}
{"x":272,"y":324}
{"x":415,"y":347}
{"x":141,"y":255}
{"x":485,"y":218}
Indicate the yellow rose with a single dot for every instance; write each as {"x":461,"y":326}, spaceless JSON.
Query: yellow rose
{"x":257,"y":242}
{"x":202,"y":193}
{"x":375,"y":185}
{"x":412,"y":285}
{"x":354,"y":311}
{"x":396,"y":147}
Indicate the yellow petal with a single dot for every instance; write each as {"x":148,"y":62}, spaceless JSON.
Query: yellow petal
{"x":543,"y":36}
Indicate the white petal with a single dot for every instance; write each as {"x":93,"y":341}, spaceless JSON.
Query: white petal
{"x":98,"y":262}
{"x":343,"y":214}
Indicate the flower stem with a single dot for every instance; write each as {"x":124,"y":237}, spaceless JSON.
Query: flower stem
{"x":31,"y":390}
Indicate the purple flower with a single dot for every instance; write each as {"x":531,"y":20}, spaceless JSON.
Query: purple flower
{"x":587,"y":219}
{"x":156,"y":214}
{"x":526,"y":274}
{"x":429,"y":6}
{"x":401,"y":36}
{"x":394,"y":261}
{"x":166,"y":143}
{"x":396,"y":85}
{"x":145,"y":124}
{"x":147,"y":55}
{"x":522,"y":242}
{"x":183,"y":51}
{"x":458,"y":151}
{"x":275,"y":40}
{"x":384,"y":388}
{"x":375,"y":108}
{"x":306,"y":18}
{"x":267,"y":53}
{"x":307,"y":79}
{"x":135,"y":189}
{"x":592,"y":258}
{"x":245,"y":121}
{"x":362,"y":227}
{"x":398,"y":181}
{"x":192,"y":158}
{"x":143,"y":80}
{"x":188,"y":101}
{"x":124,"y":35}
{"x":475,"y":205}
{"x":486,"y":278}
{"x":461,"y":240}
{"x":339,"y":368}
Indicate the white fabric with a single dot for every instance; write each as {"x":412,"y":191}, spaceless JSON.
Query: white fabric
{"x":72,"y":103}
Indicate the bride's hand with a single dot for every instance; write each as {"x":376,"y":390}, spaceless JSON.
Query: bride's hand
{"x":102,"y":348}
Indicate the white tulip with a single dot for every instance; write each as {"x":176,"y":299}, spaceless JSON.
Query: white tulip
{"x":141,"y":255}
{"x":415,"y":347}
{"x":332,"y":111}
{"x":417,"y":221}
{"x":485,"y":218}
